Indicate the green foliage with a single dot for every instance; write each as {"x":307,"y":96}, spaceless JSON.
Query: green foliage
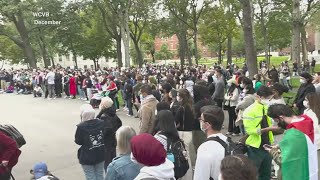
{"x":10,"y":51}
{"x":164,"y":53}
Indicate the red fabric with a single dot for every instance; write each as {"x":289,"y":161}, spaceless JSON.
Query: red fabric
{"x":73,"y":86}
{"x":147,"y":150}
{"x":8,"y":152}
{"x":112,"y":86}
{"x":305,"y":126}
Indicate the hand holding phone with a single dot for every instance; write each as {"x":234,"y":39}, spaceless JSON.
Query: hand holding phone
{"x":267,"y":147}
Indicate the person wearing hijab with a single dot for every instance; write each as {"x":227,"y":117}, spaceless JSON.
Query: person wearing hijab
{"x":150,"y":153}
{"x":111,"y":125}
{"x":89,"y":135}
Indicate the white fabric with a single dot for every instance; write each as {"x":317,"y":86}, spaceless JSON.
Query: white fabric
{"x":209,"y":157}
{"x":312,"y":159}
{"x":315,"y":120}
{"x":233,"y":99}
{"x":162,"y":172}
{"x":162,"y":139}
{"x":276,"y":101}
{"x":50,"y":77}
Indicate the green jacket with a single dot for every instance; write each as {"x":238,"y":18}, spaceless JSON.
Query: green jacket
{"x":251,"y":121}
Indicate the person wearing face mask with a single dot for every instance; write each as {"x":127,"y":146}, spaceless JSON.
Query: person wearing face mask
{"x":218,"y":94}
{"x":231,"y":101}
{"x":312,"y":110}
{"x":316,"y":81}
{"x":147,"y":110}
{"x":210,"y":153}
{"x":165,"y":89}
{"x":259,"y":128}
{"x":297,"y":147}
{"x":277,"y":91}
{"x":305,"y":88}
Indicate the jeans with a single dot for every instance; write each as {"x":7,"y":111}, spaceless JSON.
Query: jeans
{"x":94,"y":172}
{"x":51,"y":90}
{"x":89,"y":93}
{"x":262,"y":160}
{"x":80,"y":91}
{"x":129,"y":104}
{"x":5,"y":176}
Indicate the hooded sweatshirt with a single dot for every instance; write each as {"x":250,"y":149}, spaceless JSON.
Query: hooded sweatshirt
{"x":162,"y":172}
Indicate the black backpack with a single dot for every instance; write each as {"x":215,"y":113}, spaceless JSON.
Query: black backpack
{"x":230,"y":147}
{"x":12,"y":132}
{"x":179,"y":152}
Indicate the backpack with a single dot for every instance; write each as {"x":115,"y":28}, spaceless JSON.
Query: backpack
{"x":230,"y":147}
{"x":176,"y":152}
{"x":12,"y":132}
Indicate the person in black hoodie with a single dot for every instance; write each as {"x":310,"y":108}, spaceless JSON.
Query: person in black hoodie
{"x":111,"y":125}
{"x":128,"y":91}
{"x":305,"y":88}
{"x":58,"y":84}
{"x":90,"y":136}
{"x":66,"y":84}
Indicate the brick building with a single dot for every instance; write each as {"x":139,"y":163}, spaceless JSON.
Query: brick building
{"x":173,"y":44}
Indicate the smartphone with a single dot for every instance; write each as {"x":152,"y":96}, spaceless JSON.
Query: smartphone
{"x":267,"y":146}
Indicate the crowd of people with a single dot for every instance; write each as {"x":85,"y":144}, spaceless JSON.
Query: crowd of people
{"x":181,"y":109}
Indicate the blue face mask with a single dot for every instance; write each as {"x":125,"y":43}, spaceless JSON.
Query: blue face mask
{"x":141,"y":98}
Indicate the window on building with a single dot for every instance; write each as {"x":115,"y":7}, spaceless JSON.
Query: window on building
{"x":85,"y":66}
{"x":91,"y":66}
{"x":60,"y":58}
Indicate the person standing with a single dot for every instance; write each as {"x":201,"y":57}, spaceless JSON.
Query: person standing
{"x":128,"y":91}
{"x":58,"y":84}
{"x":89,"y":135}
{"x":231,"y":101}
{"x":147,"y":110}
{"x":218,"y":94}
{"x":73,"y":86}
{"x":259,"y":128}
{"x":305,"y":88}
{"x":208,"y":161}
{"x":79,"y":79}
{"x":50,"y":80}
{"x":66,"y":84}
{"x":9,"y":155}
{"x":297,"y":147}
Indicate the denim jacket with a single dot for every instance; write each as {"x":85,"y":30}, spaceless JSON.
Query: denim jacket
{"x":122,"y":168}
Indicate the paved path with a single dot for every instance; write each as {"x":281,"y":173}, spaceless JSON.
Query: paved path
{"x":48,"y":127}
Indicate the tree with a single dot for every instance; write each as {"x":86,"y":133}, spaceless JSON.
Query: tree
{"x":141,"y":13}
{"x":164,"y":53}
{"x":12,"y":12}
{"x":215,"y":28}
{"x":251,"y":53}
{"x":10,"y":51}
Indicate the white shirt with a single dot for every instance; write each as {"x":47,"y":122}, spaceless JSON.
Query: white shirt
{"x":209,"y":157}
{"x":50,"y":77}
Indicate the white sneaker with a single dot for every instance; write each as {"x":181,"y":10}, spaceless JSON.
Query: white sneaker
{"x":49,"y":98}
{"x":129,"y":115}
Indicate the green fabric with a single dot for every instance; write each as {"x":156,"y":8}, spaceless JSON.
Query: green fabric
{"x":257,"y":85}
{"x":294,"y":154}
{"x":251,"y":119}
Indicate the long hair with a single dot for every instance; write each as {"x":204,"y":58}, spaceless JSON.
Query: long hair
{"x":166,"y":124}
{"x":186,"y":98}
{"x":124,"y":135}
{"x":314,"y":101}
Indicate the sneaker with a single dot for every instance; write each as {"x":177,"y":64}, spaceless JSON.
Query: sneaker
{"x":235,"y":134}
{"x":228,"y":133}
{"x":129,"y":115}
{"x":117,"y":110}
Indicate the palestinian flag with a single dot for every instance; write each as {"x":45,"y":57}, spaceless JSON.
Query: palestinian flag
{"x":298,"y":156}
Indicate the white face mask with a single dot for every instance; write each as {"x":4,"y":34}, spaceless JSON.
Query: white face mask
{"x":179,"y":99}
{"x":302,"y":81}
{"x":214,"y":78}
{"x":181,"y":82}
{"x":141,"y":98}
{"x":306,"y":103}
{"x":241,"y":85}
{"x":264,"y":101}
{"x":143,"y":81}
{"x":229,"y":84}
{"x":202,"y":128}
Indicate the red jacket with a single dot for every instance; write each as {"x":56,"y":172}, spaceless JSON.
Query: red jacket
{"x":8,"y":152}
{"x":305,"y":126}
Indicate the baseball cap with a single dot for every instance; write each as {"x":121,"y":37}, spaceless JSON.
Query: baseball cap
{"x":40,"y":169}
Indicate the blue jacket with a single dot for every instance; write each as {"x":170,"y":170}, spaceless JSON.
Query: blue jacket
{"x":122,"y":168}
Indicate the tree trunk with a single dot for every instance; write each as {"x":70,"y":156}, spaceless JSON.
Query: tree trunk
{"x":43,"y":51}
{"x":188,"y":50}
{"x":296,"y":32}
{"x":139,"y":53}
{"x":229,"y":47}
{"x":95,"y":64}
{"x":152,"y":52}
{"x":52,"y":61}
{"x":220,"y":53}
{"x":27,"y":48}
{"x":304,"y":44}
{"x":182,"y":49}
{"x":251,"y":53}
{"x":75,"y":59}
{"x":119,"y":53}
{"x":195,"y":41}
{"x":124,"y":28}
